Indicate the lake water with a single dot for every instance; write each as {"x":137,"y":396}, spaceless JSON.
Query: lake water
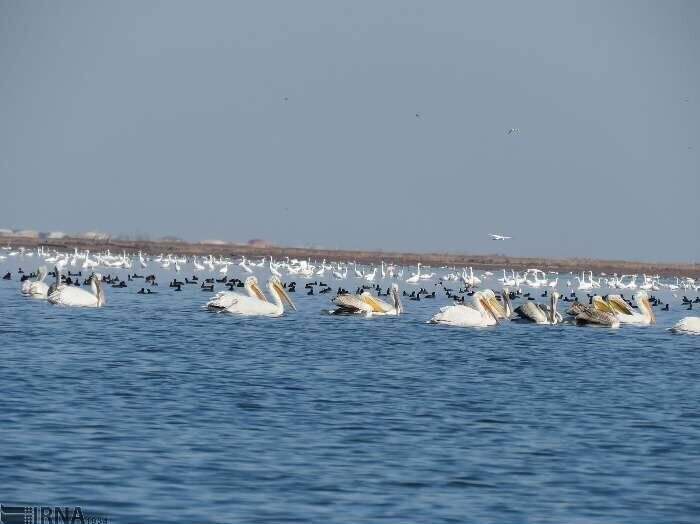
{"x":153,"y":410}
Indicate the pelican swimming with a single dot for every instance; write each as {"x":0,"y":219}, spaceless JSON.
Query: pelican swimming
{"x":585,"y":314}
{"x":367,"y":304}
{"x":249,"y":306}
{"x":36,"y":288}
{"x":540,"y":313}
{"x":687,"y":325}
{"x":482,"y":313}
{"x":616,"y":305}
{"x":73,"y":296}
{"x":225,"y":299}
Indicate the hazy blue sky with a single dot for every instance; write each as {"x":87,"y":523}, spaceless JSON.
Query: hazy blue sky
{"x":170,"y":118}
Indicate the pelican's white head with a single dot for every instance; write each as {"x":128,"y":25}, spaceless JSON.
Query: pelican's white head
{"x":275,"y":285}
{"x":251,"y":283}
{"x":642,"y":300}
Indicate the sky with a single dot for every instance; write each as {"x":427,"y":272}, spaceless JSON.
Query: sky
{"x":364,"y":124}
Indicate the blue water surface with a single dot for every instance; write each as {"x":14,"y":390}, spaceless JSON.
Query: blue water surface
{"x":153,"y":410}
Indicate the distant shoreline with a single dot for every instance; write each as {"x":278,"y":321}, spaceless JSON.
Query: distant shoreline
{"x":484,"y":262}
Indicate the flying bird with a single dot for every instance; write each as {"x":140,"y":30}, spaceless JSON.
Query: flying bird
{"x":513,"y":130}
{"x":499,"y":237}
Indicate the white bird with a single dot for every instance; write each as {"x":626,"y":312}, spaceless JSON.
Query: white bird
{"x":687,"y":325}
{"x":358,"y":273}
{"x":616,"y":305}
{"x":76,"y":297}
{"x":250,"y":306}
{"x":87,"y":264}
{"x":540,"y":313}
{"x":367,"y":304}
{"x":341,"y":276}
{"x":245,"y":267}
{"x":197,"y":266}
{"x":499,"y":237}
{"x":483,"y":313}
{"x":224,"y":299}
{"x":415,"y":277}
{"x":274,"y":270}
{"x":36,"y":288}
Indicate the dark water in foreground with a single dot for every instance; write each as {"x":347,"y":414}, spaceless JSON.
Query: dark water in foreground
{"x":152,"y":410}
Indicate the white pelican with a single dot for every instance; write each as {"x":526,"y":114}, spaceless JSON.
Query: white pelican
{"x":499,"y":237}
{"x":689,"y":325}
{"x":36,"y":288}
{"x":250,"y":306}
{"x":225,"y":299}
{"x":367,"y":304}
{"x":585,"y":314}
{"x":540,"y":313}
{"x":616,"y":305}
{"x":481,"y":314}
{"x":77,"y":297}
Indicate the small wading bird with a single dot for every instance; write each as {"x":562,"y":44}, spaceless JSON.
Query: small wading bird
{"x":499,"y":237}
{"x":366,"y":304}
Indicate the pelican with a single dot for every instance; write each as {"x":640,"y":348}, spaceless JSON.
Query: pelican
{"x":586,"y":314}
{"x":623,"y":312}
{"x":540,"y":313}
{"x":499,"y":237}
{"x":77,"y":297}
{"x":225,"y":299}
{"x":36,"y":288}
{"x":482,"y":314}
{"x":688,"y":325}
{"x":367,"y":304}
{"x":250,"y":306}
